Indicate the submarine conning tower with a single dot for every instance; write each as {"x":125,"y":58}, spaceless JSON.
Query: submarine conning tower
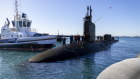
{"x":89,"y":26}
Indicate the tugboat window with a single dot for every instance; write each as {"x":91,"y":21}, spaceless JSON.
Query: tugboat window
{"x":24,"y":24}
{"x":28,"y":24}
{"x":20,"y":23}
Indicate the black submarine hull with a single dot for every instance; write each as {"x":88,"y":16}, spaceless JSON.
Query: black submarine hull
{"x":70,"y":51}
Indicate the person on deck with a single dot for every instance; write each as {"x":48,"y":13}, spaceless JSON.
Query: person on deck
{"x":71,"y":39}
{"x":98,"y":38}
{"x":64,"y":41}
{"x":75,"y":38}
{"x":78,"y":38}
{"x":83,"y":38}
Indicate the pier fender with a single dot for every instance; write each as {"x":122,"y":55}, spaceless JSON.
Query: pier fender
{"x":126,"y":69}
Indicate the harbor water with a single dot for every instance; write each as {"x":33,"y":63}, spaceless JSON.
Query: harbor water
{"x":14,"y":65}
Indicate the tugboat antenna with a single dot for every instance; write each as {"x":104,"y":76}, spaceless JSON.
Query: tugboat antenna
{"x":16,"y":9}
{"x":20,"y":5}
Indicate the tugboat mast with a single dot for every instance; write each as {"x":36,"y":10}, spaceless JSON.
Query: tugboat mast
{"x":16,"y":10}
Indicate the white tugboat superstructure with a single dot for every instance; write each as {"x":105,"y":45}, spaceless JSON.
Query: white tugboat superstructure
{"x":22,"y":34}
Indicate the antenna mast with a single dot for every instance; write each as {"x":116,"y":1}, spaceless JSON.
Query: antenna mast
{"x":16,"y":10}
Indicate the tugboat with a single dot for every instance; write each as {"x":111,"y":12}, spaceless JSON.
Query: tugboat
{"x":22,"y":37}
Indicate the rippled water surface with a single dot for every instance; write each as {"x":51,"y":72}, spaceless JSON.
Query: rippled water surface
{"x":14,"y":65}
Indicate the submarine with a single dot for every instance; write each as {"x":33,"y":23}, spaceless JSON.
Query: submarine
{"x":76,"y":49}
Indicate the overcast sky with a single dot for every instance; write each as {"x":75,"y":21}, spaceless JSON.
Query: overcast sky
{"x":116,"y":17}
